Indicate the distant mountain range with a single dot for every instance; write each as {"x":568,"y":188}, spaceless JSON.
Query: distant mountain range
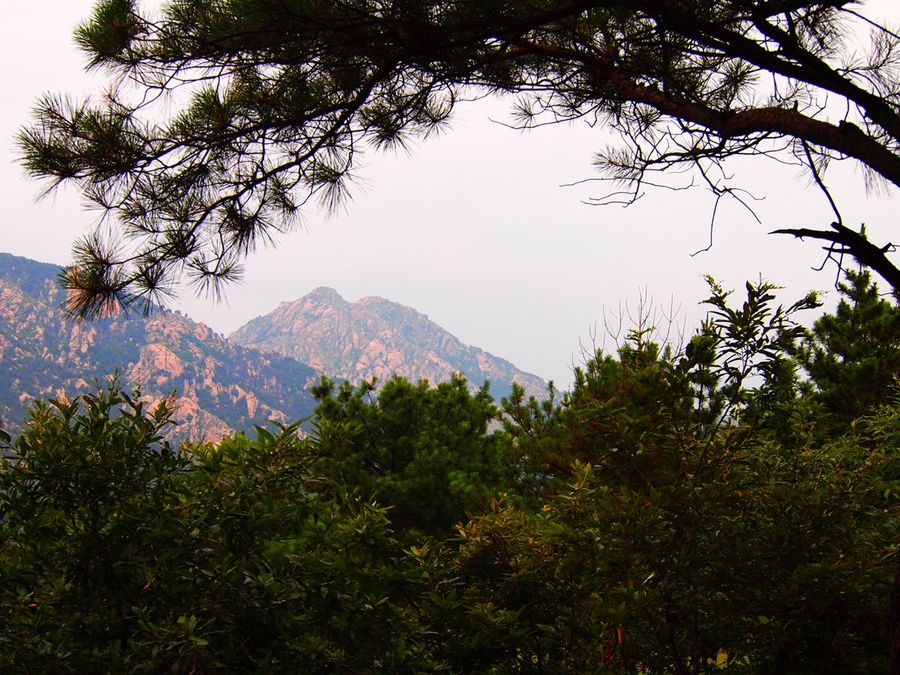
{"x":374,"y":337}
{"x":259,"y":373}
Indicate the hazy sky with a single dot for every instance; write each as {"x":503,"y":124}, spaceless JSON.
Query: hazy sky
{"x":472,"y":228}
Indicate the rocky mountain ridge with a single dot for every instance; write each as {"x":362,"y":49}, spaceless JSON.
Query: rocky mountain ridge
{"x":375,"y":337}
{"x":220,"y":387}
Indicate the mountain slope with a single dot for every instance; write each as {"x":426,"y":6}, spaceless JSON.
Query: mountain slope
{"x":378,"y":338}
{"x":221,"y":387}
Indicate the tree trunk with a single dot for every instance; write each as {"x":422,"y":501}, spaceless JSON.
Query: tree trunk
{"x":895,"y":625}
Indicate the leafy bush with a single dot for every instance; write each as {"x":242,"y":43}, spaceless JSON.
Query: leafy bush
{"x":120,"y":553}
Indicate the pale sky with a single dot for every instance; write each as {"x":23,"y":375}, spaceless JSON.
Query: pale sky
{"x":472,"y":228}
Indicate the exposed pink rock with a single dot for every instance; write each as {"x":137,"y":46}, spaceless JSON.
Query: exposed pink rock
{"x":82,"y":337}
{"x":215,"y":380}
{"x":160,"y":357}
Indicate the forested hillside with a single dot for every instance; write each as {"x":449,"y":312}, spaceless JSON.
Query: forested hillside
{"x":729,"y":503}
{"x":222,"y":386}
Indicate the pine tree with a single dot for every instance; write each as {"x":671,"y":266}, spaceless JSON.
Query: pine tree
{"x":853,"y":355}
{"x":280,"y":98}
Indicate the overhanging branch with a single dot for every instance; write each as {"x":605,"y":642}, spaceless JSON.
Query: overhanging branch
{"x":857,"y":245}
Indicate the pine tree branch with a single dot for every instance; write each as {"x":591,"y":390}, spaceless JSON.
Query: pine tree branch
{"x":857,"y":245}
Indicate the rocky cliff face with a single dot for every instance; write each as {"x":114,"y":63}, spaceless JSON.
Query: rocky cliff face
{"x":219,"y":387}
{"x":378,"y":338}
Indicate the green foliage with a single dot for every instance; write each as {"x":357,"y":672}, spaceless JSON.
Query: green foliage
{"x":80,"y":509}
{"x":675,"y":512}
{"x":753,"y":341}
{"x":110,"y":31}
{"x":701,"y":521}
{"x":631,"y":416}
{"x":122,"y":555}
{"x":268,"y":105}
{"x":853,"y":356}
{"x":423,"y":451}
{"x":776,"y":560}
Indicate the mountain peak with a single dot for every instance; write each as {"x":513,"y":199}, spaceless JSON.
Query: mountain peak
{"x":324,"y":294}
{"x":376,"y":337}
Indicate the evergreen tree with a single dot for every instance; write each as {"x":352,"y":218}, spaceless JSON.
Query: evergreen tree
{"x":425,"y":452}
{"x":684,"y":513}
{"x":280,"y":98}
{"x":853,"y":355}
{"x":703,"y":523}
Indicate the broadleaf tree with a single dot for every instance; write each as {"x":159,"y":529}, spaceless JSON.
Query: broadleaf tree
{"x":268,"y":106}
